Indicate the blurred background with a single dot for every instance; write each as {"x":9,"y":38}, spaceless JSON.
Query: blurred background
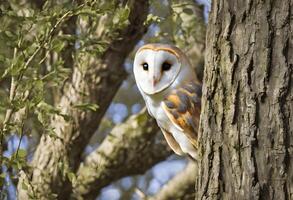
{"x":181,"y":23}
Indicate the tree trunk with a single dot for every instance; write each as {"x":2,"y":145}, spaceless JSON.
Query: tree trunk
{"x":246,"y":123}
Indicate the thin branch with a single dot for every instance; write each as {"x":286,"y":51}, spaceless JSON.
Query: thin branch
{"x":14,"y":80}
{"x":180,"y":187}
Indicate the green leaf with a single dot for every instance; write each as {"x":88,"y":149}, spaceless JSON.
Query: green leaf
{"x":152,"y":19}
{"x":38,"y":91}
{"x":71,"y":176}
{"x":47,"y":108}
{"x":66,"y":117}
{"x":17,"y":65}
{"x":2,"y":58}
{"x":188,"y":11}
{"x":19,"y":165}
{"x":87,"y":106}
{"x":24,"y":185}
{"x":52,"y":134}
{"x":44,"y":112}
{"x":141,"y":118}
{"x":21,"y":153}
{"x":2,"y":179}
{"x":87,"y":11}
{"x":58,"y":45}
{"x":9,"y":34}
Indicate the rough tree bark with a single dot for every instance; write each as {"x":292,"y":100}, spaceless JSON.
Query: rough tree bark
{"x":246,"y":122}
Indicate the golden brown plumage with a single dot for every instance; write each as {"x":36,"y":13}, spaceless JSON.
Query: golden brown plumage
{"x":182,"y":107}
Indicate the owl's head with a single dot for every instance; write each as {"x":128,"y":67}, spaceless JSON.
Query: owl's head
{"x":156,"y":67}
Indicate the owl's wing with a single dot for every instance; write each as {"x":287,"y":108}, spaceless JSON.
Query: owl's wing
{"x":183,"y":107}
{"x":172,"y":142}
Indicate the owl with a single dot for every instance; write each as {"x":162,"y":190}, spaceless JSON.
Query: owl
{"x":172,"y":94}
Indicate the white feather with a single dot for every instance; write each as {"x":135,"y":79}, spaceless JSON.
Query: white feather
{"x":154,"y":95}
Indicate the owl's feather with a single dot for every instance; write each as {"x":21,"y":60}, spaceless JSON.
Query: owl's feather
{"x":172,"y":142}
{"x":171,"y":93}
{"x":182,"y":106}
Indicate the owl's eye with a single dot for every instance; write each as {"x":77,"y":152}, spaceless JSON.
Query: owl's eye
{"x":166,"y":66}
{"x":145,"y":66}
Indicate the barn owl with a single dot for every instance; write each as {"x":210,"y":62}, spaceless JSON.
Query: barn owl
{"x":172,"y":94}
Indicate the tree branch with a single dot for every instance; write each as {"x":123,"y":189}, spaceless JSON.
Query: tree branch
{"x":180,"y":187}
{"x":195,"y":26}
{"x":130,"y":149}
{"x":55,"y":158}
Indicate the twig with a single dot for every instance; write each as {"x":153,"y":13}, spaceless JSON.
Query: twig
{"x":14,"y":83}
{"x":140,"y":193}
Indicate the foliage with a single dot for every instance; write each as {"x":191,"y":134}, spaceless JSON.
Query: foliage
{"x":41,"y":42}
{"x":33,"y":64}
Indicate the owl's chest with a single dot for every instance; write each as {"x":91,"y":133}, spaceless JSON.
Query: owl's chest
{"x":160,"y":115}
{"x":156,"y":110}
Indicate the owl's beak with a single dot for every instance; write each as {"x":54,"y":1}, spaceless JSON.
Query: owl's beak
{"x":155,"y":81}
